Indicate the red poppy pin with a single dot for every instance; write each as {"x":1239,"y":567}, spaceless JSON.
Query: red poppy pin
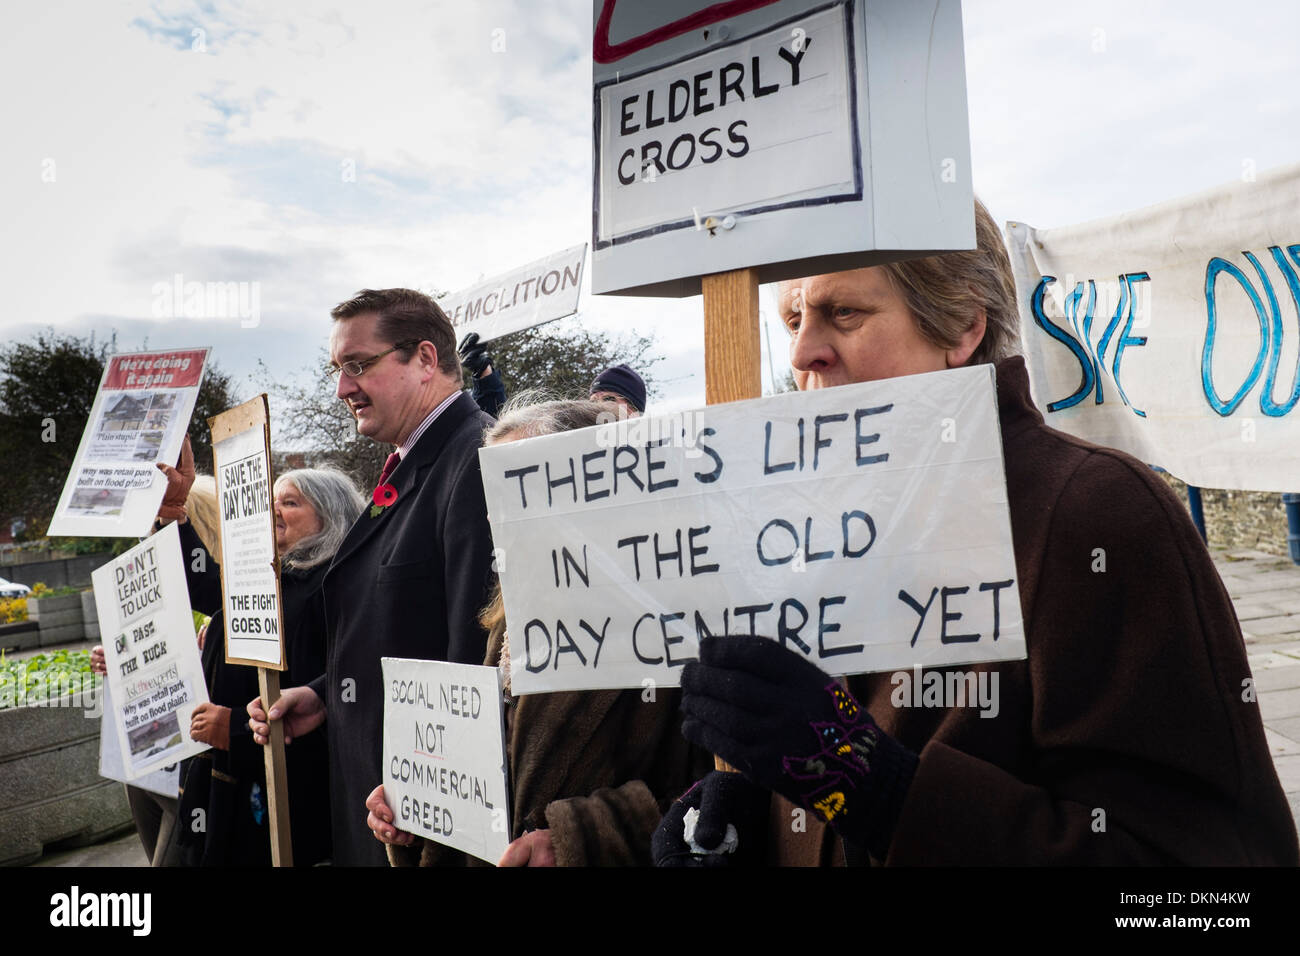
{"x":384,"y":496}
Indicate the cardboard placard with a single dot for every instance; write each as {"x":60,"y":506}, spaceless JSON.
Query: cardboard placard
{"x":792,"y":137}
{"x":155,"y":675}
{"x":522,"y":298}
{"x":864,"y":526}
{"x":250,"y":567}
{"x":445,"y":773}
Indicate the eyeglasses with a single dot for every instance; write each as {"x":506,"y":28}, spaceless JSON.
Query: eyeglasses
{"x":356,"y":369}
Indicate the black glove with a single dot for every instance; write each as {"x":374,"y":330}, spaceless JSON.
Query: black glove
{"x":473,"y":356}
{"x":721,"y":799}
{"x":792,"y":728}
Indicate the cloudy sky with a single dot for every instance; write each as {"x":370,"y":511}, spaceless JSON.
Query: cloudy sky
{"x":316,"y":148}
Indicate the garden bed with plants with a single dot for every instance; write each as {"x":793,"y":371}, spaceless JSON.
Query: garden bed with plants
{"x":50,"y":788}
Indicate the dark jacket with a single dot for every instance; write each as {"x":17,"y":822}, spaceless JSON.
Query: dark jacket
{"x":202,"y":578}
{"x":235,"y":831}
{"x":407,"y":582}
{"x":1131,"y":734}
{"x":489,"y":392}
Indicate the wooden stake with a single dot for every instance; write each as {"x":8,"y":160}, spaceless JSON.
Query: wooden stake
{"x":256,"y":413}
{"x":732,"y":354}
{"x":277,"y":778}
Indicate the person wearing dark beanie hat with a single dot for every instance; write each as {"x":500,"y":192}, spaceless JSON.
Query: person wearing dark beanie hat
{"x":622,"y":386}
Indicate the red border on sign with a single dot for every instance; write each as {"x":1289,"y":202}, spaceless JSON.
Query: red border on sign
{"x":602,"y":51}
{"x":155,"y":370}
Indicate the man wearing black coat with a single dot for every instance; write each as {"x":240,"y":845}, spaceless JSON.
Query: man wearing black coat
{"x":414,"y":571}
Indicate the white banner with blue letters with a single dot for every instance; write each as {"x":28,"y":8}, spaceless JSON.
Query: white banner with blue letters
{"x":1173,"y":332}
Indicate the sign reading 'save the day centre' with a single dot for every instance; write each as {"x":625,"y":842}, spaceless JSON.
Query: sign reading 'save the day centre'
{"x":793,"y":136}
{"x":865,"y":527}
{"x":250,"y":578}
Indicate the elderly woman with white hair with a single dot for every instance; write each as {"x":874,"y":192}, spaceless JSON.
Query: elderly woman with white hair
{"x":314,"y":508}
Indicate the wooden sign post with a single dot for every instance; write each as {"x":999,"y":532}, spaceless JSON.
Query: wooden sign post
{"x":732,"y":370}
{"x":250,"y":582}
{"x":733,"y":146}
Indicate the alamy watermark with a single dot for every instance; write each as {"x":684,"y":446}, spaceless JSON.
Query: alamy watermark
{"x":208,"y":300}
{"x":944,"y":689}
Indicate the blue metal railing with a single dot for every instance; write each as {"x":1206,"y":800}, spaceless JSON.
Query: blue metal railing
{"x":1291,"y":502}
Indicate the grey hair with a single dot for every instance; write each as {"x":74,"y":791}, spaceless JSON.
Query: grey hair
{"x":946,"y":291}
{"x":337,"y":503}
{"x":531,"y":413}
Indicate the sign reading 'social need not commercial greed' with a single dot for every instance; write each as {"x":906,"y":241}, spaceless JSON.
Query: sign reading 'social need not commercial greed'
{"x":444,"y":754}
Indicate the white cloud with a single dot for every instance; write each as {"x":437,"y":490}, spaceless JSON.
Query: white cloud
{"x":228,"y":164}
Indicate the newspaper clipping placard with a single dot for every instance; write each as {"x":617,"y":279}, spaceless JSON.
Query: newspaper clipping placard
{"x":139,"y":419}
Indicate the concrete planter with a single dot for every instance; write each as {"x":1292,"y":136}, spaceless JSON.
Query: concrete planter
{"x":59,"y":617}
{"x":20,"y":636}
{"x":90,"y":615}
{"x":50,"y":788}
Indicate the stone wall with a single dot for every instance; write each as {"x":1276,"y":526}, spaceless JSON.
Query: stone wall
{"x":1240,"y":519}
{"x":50,"y":788}
{"x":59,"y":573}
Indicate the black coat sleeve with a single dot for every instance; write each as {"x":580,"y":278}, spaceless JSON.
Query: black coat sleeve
{"x":489,"y":392}
{"x":203,"y":584}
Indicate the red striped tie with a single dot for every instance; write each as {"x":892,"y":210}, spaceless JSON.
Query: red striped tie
{"x":390,"y":465}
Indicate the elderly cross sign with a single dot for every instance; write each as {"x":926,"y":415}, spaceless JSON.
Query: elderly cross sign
{"x":733,"y":146}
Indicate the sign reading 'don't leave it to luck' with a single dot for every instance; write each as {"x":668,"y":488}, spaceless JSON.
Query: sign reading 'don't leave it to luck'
{"x":150,"y":652}
{"x":864,"y":526}
{"x":139,"y":418}
{"x":522,"y":298}
{"x":793,"y":136}
{"x":444,"y":754}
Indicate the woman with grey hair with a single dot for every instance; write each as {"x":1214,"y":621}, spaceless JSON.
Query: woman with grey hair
{"x":314,"y":507}
{"x":334,"y":502}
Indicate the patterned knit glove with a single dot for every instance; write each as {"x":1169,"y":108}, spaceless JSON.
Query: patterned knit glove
{"x":790,"y":727}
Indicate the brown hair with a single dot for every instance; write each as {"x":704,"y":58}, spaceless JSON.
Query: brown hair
{"x":407,"y":317}
{"x":945,"y":291}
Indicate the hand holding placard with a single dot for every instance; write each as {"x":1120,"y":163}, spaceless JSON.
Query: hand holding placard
{"x":300,"y":708}
{"x":179,"y":481}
